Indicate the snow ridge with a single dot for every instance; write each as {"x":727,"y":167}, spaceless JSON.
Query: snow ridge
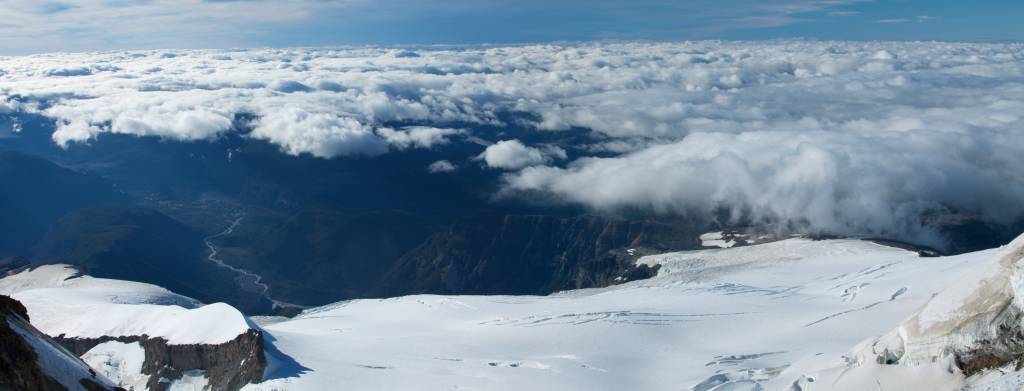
{"x":61,"y":303}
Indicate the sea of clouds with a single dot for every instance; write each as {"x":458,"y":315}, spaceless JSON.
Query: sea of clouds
{"x":837,"y":137}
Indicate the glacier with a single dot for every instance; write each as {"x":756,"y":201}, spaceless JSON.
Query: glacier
{"x":793,"y":314}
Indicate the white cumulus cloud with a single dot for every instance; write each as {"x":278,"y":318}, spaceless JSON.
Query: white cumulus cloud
{"x":417,"y":136}
{"x":441,"y":166}
{"x":513,"y":155}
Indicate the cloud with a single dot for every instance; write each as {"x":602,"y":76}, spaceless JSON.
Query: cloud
{"x":867,"y":183}
{"x":319,"y":134}
{"x":417,"y":136}
{"x":7,"y":106}
{"x":843,"y":13}
{"x":512,"y":155}
{"x":836,"y":137}
{"x":893,"y":21}
{"x":441,"y":166}
{"x":79,"y":71}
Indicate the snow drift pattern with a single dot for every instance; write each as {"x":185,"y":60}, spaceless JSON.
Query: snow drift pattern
{"x":841,"y":137}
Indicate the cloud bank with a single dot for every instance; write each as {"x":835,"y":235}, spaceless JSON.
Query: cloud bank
{"x":838,"y":137}
{"x":513,"y":155}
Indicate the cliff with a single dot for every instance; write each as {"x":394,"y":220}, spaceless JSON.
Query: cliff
{"x":228,"y":366}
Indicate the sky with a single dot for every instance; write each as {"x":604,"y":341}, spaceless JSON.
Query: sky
{"x":34,"y":26}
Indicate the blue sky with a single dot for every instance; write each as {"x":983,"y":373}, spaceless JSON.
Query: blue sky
{"x":78,"y":25}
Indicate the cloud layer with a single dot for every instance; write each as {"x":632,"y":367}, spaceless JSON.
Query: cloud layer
{"x":848,"y":138}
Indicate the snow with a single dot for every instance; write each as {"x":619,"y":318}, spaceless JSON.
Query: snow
{"x":194,"y":380}
{"x":768,"y":316}
{"x":785,"y":315}
{"x":714,"y":239}
{"x":119,"y":362}
{"x":85,"y":307}
{"x":114,"y":291}
{"x":55,"y":361}
{"x":960,"y":318}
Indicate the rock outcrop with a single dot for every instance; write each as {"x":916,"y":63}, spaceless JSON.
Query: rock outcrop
{"x":152,"y":337}
{"x":228,"y":366}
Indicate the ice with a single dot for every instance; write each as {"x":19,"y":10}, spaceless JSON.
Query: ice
{"x":745,"y":318}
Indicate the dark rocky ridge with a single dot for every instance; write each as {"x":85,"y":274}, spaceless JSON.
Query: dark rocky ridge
{"x":534,"y":254}
{"x":19,"y":368}
{"x":229,"y":366}
{"x":320,"y":256}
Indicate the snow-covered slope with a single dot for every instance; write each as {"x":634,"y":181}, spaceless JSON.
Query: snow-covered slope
{"x":972,"y":327}
{"x":30,"y":360}
{"x":62,"y":303}
{"x":795,"y":314}
{"x":139,"y":335}
{"x":758,"y":317}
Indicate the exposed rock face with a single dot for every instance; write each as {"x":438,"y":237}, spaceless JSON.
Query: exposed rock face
{"x":228,"y":366}
{"x":534,"y":254}
{"x":20,"y":368}
{"x":9,"y":306}
{"x":1006,"y":346}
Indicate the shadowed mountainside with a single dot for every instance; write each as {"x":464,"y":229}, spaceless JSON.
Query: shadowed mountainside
{"x":533,"y":254}
{"x":35,"y":192}
{"x":138,"y":244}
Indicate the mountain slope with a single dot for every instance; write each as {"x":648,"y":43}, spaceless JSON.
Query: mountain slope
{"x":319,"y":256}
{"x":794,"y":314}
{"x":531,"y":254}
{"x":35,"y":192}
{"x":732,"y":318}
{"x":971,"y":334}
{"x":142,"y":335}
{"x":138,"y":244}
{"x":31,"y":361}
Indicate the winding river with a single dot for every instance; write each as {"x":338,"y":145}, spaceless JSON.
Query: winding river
{"x":245,"y":278}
